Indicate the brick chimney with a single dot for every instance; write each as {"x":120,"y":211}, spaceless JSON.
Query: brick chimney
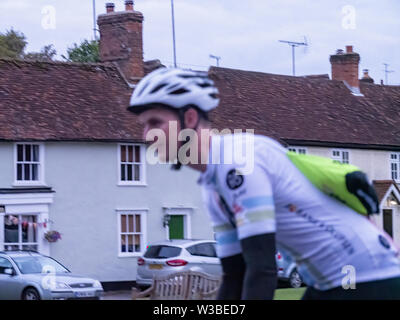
{"x":345,"y":66}
{"x":121,"y":39}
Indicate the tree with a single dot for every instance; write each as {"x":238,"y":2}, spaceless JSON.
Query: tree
{"x":12,"y":44}
{"x":87,"y":51}
{"x":45,"y":55}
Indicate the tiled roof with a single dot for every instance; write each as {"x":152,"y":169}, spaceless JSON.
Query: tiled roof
{"x":69,"y":101}
{"x":382,"y":186}
{"x":307,"y":110}
{"x":64,"y":101}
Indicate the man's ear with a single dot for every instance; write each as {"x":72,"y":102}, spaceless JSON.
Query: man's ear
{"x":191,"y":118}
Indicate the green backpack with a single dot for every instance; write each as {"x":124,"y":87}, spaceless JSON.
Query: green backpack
{"x":345,"y":182}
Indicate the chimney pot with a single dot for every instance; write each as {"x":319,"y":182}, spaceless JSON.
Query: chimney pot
{"x":110,"y":7}
{"x":339,"y":51}
{"x":128,"y":5}
{"x":349,"y":49}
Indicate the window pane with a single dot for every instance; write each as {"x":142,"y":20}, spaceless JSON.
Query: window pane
{"x":123,"y":153}
{"x":137,"y":172}
{"x":129,"y":167}
{"x":11,"y":229}
{"x":137,"y":153}
{"x":137,"y":223}
{"x":28,"y":228}
{"x":130,"y":225}
{"x":137,"y":242}
{"x":130,"y":153}
{"x":20,"y":150}
{"x":35,"y":174}
{"x":123,"y":176}
{"x":27,"y":172}
{"x":123,"y":223}
{"x":130,"y":243}
{"x":19,"y":171}
{"x":28,"y":155}
{"x":123,"y":243}
{"x":35,"y":153}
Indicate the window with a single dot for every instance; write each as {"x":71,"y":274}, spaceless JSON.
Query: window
{"x":203,"y":250}
{"x":5,"y":264}
{"x":162,"y":252}
{"x":300,"y":150}
{"x":28,"y":163}
{"x":395,"y":166}
{"x":131,"y":233}
{"x":340,"y":156}
{"x":20,"y":232}
{"x":131,"y":164}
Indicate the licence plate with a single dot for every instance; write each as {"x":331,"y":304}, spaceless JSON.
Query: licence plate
{"x":84,"y":294}
{"x":155,"y":266}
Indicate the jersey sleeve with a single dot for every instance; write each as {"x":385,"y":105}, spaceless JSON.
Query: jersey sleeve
{"x":249,"y":199}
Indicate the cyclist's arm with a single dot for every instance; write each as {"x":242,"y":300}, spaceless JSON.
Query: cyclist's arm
{"x":252,"y":204}
{"x":260,"y":277}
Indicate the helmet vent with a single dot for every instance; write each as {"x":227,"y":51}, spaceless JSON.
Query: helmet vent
{"x":204,"y":85}
{"x":180,"y":91}
{"x":158,"y":87}
{"x":213,"y":95}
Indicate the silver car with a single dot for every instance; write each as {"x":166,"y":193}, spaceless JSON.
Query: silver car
{"x":287,"y":269}
{"x":28,"y":275}
{"x":163,"y":258}
{"x":166,"y":257}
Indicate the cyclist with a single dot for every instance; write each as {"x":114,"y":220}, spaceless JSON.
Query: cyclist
{"x":273,"y":203}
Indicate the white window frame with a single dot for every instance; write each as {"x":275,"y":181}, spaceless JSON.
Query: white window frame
{"x":143,"y":239}
{"x":20,"y":244}
{"x":297,"y":149}
{"x":142,"y":181}
{"x":340,"y":157}
{"x":397,"y":162}
{"x":41,"y":167}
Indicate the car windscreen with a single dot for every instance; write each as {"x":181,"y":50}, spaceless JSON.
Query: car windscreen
{"x":38,"y":264}
{"x":162,"y":252}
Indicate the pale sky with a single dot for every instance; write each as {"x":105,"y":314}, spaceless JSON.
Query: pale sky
{"x":244,"y":33}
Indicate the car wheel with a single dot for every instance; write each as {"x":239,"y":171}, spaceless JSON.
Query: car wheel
{"x":295,"y":279}
{"x":30,"y":294}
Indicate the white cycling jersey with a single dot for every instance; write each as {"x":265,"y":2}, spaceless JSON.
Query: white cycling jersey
{"x":320,"y":233}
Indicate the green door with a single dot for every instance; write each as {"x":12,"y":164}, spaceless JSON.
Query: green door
{"x":176,"y":227}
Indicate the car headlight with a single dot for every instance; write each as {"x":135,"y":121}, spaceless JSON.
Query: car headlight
{"x":61,"y":285}
{"x":97,"y":284}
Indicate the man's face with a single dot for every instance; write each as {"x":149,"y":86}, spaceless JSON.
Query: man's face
{"x":160,"y":119}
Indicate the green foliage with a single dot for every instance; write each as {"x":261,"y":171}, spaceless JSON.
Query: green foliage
{"x":87,"y":51}
{"x":46,"y":54}
{"x":12,"y":44}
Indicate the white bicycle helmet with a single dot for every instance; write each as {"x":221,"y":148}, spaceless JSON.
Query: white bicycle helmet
{"x":175,"y":88}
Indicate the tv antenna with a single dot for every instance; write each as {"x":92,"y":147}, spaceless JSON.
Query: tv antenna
{"x":386,"y":72}
{"x":216,"y":58}
{"x":94,"y":21}
{"x":294,"y":45}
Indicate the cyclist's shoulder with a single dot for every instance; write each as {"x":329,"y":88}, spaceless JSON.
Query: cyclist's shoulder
{"x":248,"y":140}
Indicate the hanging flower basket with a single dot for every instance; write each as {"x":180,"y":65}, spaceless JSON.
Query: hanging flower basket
{"x":52,"y":236}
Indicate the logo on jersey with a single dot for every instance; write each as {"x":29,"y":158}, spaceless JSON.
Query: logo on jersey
{"x":384,"y":242}
{"x":234,"y":180}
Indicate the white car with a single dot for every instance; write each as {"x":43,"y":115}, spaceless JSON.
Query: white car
{"x":166,"y":257}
